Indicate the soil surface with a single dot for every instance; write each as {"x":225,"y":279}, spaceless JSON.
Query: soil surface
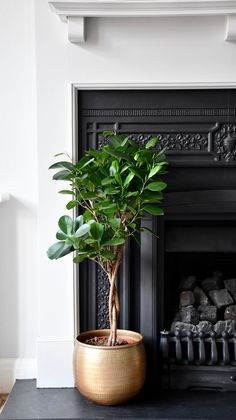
{"x":103,"y":341}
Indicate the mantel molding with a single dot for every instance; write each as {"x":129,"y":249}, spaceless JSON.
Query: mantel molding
{"x":74,"y":12}
{"x":4,"y":196}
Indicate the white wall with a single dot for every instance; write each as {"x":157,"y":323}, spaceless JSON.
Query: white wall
{"x":18,"y":176}
{"x":181,"y":50}
{"x":117,"y":50}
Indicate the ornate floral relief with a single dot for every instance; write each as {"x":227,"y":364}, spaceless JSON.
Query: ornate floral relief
{"x":102,"y":299}
{"x":177,"y":141}
{"x":224,"y":143}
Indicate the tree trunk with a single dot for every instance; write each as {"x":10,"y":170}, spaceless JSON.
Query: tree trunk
{"x":114,"y":304}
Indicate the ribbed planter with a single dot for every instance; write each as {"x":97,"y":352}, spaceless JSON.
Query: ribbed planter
{"x":109,"y":375}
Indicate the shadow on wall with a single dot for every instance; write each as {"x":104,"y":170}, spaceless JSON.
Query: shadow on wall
{"x":8,"y":279}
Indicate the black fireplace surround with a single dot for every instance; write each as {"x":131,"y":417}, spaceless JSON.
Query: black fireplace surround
{"x":197,"y":235}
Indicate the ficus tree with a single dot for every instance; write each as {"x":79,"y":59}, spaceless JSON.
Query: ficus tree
{"x":113,"y":188}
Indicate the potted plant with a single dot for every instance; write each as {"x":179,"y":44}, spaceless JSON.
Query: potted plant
{"x":114,"y":188}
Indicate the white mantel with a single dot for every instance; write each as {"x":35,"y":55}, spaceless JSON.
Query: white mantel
{"x":4,"y":197}
{"x":74,"y":12}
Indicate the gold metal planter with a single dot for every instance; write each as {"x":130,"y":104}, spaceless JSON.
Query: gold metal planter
{"x":109,"y":375}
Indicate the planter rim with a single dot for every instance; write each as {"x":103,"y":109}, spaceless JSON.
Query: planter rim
{"x":139,"y":338}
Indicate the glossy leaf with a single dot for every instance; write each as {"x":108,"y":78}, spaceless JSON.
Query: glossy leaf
{"x":107,"y":255}
{"x":97,"y":230}
{"x":154,"y":210}
{"x":79,"y":258}
{"x":61,"y":236}
{"x":114,"y":242}
{"x":61,"y":175}
{"x":83,"y":230}
{"x":65,"y":223}
{"x":58,"y":250}
{"x":71,"y":204}
{"x":107,"y":181}
{"x":151,"y":143}
{"x":154,"y":171}
{"x":115,"y":222}
{"x":66,"y":192}
{"x":128,"y":179}
{"x":156,"y":186}
{"x":63,"y":164}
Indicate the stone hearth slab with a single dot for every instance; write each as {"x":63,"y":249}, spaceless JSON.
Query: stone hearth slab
{"x":26,"y":402}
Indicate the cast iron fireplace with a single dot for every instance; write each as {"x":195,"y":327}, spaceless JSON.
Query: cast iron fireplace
{"x":197,"y":235}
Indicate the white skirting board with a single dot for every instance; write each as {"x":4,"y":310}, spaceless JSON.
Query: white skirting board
{"x":12,"y":369}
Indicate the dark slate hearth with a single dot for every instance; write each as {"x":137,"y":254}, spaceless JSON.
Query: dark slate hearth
{"x":28,"y":403}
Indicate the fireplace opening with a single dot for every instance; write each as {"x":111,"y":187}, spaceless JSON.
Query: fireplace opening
{"x":199,"y":300}
{"x":194,"y":252}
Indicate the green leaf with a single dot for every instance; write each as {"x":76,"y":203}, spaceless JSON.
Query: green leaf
{"x":97,"y":230}
{"x":89,"y":196}
{"x":117,"y":154}
{"x":67,"y":165}
{"x":83,"y":230}
{"x":128,"y":179}
{"x":132,"y":194}
{"x":125,"y":167}
{"x":151,"y":143}
{"x":114,"y":168}
{"x":79,"y":259}
{"x":114,"y":242}
{"x":115,"y":222}
{"x":136,"y":173}
{"x":112,"y":190}
{"x":61,"y":235}
{"x":86,"y":160}
{"x":152,"y":209}
{"x":107,"y":255}
{"x":62,"y":175}
{"x":71,"y":204}
{"x":112,"y":208}
{"x":58,"y":250}
{"x":66,"y":192}
{"x":154,"y":171}
{"x":107,"y":133}
{"x":156,"y":186}
{"x":107,"y":181}
{"x":65,"y":223}
{"x":144,"y":228}
{"x":79,"y":220}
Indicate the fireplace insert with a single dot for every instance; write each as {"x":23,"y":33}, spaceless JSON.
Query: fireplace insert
{"x":182,"y":283}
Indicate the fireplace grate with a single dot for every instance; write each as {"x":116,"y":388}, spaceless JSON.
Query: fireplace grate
{"x":198,"y":349}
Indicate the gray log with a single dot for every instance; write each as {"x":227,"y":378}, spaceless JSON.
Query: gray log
{"x":220,"y":298}
{"x":186,"y":298}
{"x":208,"y":313}
{"x":200,"y":296}
{"x":230,"y":285}
{"x":189,"y":314}
{"x":211,"y":283}
{"x":188,"y":283}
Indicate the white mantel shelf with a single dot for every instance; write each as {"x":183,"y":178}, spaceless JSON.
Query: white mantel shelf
{"x":74,"y":12}
{"x":4,"y":197}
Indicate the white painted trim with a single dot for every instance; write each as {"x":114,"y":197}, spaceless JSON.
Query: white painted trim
{"x":54,"y":358}
{"x":4,"y":197}
{"x":12,"y":369}
{"x":230,"y":34}
{"x":155,"y":86}
{"x":68,"y":11}
{"x":76,"y":29}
